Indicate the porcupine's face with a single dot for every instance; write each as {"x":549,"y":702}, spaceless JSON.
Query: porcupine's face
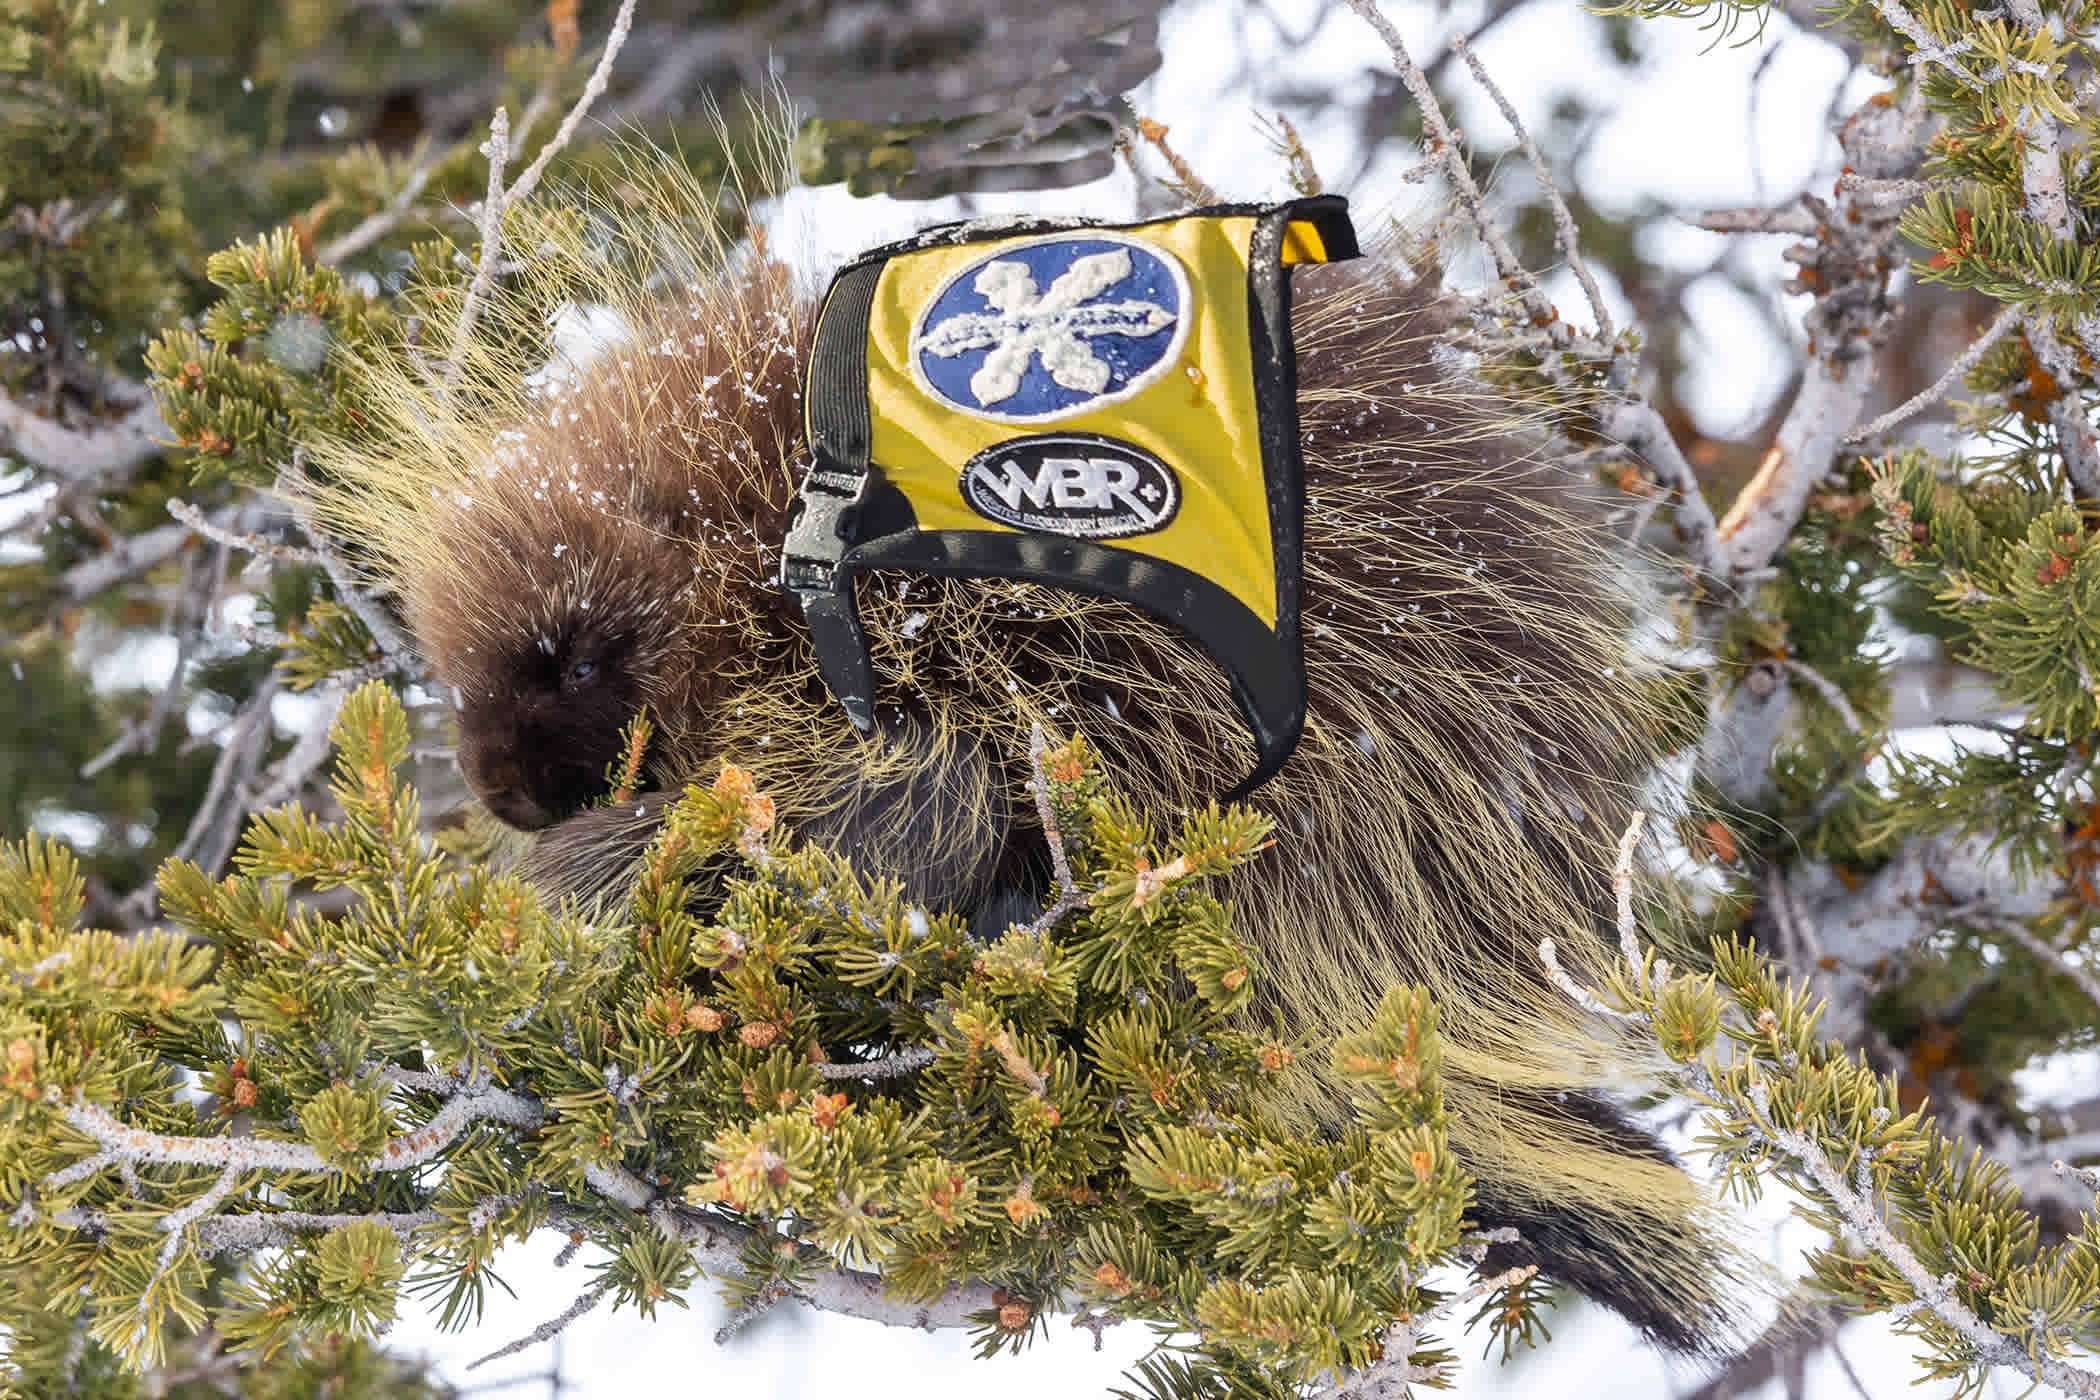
{"x":538,"y":736}
{"x":573,"y":617}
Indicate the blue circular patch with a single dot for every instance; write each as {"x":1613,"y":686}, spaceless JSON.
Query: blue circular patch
{"x":1053,"y":327}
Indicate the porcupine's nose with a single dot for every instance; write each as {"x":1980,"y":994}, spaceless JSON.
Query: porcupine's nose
{"x":516,"y":809}
{"x":505,"y":789}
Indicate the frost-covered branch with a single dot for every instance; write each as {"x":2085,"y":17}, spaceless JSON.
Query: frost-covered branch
{"x":122,"y":1143}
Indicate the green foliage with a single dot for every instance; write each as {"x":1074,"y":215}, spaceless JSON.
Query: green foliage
{"x":1920,"y":1228}
{"x":263,"y":371}
{"x":794,"y":1052}
{"x":2010,"y":567}
{"x":1817,"y":616}
{"x":1984,"y":557}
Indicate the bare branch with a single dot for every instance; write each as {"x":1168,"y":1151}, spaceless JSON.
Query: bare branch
{"x":84,"y":455}
{"x":1549,"y":954}
{"x":122,"y":1143}
{"x":291,"y":772}
{"x":2074,"y":434}
{"x":1636,"y":425}
{"x":275,"y":1228}
{"x":129,"y":556}
{"x":888,"y":1067}
{"x":1564,"y":232}
{"x":1069,"y":895}
{"x":350,"y":591}
{"x":499,"y":199}
{"x":1848,"y":268}
{"x":550,"y":1329}
{"x":216,"y":824}
{"x":262,"y":549}
{"x":1622,"y":891}
{"x":2089,"y":1175}
{"x":1852,"y":180}
{"x":1790,"y":220}
{"x":1445,"y":153}
{"x":201,"y":582}
{"x":497,"y":151}
{"x":1955,"y":372}
{"x":1827,"y":688}
{"x":593,"y":89}
{"x":378,"y":225}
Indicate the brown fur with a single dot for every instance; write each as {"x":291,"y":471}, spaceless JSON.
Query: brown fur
{"x":1473,"y":737}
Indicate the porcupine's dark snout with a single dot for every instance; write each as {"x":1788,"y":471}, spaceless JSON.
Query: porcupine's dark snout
{"x":539,"y":742}
{"x":531,"y":775}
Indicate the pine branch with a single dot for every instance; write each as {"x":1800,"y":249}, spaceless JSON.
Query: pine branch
{"x":1779,"y":1058}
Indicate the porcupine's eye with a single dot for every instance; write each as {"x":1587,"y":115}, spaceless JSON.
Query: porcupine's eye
{"x":537,"y":735}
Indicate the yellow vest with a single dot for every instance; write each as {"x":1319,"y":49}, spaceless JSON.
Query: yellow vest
{"x":1107,"y":409}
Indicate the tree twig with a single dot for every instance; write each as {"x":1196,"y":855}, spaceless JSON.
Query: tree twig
{"x":2057,"y":958}
{"x":499,"y":199}
{"x":1565,"y":236}
{"x":550,"y":1329}
{"x":1795,"y":221}
{"x":1445,"y":153}
{"x":262,"y":549}
{"x":1951,"y":376}
{"x":1069,"y":895}
{"x":378,"y":225}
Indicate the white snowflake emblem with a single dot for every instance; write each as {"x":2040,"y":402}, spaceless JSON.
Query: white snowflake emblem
{"x":1057,"y":327}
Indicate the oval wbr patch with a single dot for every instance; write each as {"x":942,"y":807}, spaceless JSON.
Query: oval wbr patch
{"x":1080,"y":484}
{"x":1052,"y":326}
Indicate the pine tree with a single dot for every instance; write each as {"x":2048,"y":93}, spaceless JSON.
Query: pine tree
{"x":247,"y":1114}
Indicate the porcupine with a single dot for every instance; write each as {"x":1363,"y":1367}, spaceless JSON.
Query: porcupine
{"x":568,"y":553}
